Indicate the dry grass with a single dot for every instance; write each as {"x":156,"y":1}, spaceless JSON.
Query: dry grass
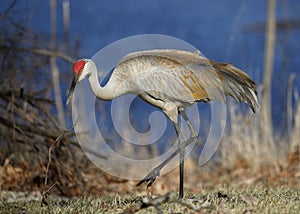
{"x":230,"y":199}
{"x":242,"y":144}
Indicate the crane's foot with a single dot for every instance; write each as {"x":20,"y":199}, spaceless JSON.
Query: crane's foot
{"x":150,"y":178}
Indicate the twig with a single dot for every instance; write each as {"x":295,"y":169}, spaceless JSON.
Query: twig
{"x":46,"y":192}
{"x":50,"y":153}
{"x":3,"y":15}
{"x":29,"y":128}
{"x":40,"y":51}
{"x":24,"y":96}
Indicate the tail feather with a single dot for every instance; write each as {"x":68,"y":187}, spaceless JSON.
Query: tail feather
{"x":237,"y":84}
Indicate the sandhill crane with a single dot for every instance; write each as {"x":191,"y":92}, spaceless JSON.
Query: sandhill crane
{"x":170,"y":80}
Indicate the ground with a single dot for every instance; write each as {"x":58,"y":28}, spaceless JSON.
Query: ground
{"x":227,"y":199}
{"x":218,"y":190}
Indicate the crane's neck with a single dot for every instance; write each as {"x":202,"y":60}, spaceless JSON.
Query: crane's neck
{"x":103,"y":93}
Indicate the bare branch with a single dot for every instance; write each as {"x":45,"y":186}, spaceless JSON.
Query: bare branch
{"x":40,"y":51}
{"x":24,"y":96}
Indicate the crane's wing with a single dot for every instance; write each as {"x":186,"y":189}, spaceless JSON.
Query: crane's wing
{"x":185,"y":77}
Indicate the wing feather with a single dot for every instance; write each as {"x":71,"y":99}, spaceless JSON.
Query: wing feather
{"x":184,"y":77}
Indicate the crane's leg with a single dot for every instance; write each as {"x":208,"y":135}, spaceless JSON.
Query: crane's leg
{"x":150,"y":178}
{"x":181,"y":149}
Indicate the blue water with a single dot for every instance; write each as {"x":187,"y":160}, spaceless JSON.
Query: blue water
{"x":220,"y":29}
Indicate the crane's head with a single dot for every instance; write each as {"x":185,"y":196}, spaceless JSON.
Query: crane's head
{"x":81,"y":70}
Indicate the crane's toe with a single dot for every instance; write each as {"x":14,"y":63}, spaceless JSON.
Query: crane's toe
{"x":150,"y":178}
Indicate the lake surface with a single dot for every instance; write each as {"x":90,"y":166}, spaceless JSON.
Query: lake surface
{"x":223,"y":30}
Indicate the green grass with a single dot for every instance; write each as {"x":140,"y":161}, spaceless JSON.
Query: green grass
{"x":232,"y":199}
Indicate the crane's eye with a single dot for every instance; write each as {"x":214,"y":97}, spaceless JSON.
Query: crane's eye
{"x":78,"y":67}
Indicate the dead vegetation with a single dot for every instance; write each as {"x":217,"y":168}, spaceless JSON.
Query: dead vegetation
{"x":254,"y":199}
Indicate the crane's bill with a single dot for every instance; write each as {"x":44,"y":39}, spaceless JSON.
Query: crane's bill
{"x":71,"y":91}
